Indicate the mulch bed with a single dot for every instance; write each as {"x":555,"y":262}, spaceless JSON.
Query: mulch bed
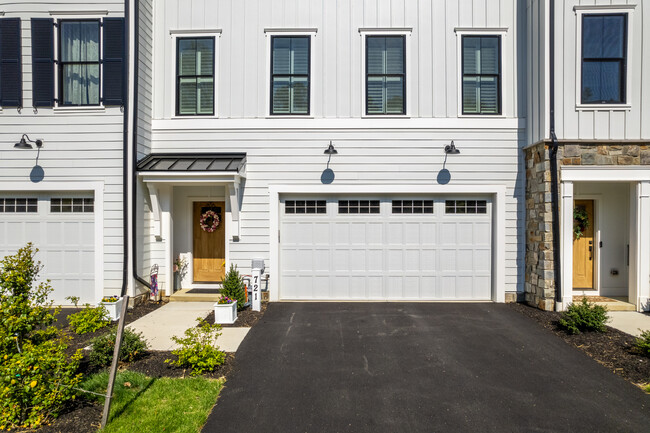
{"x":82,"y":416}
{"x":614,"y":349}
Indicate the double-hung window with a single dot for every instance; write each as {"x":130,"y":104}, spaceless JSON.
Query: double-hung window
{"x":385,"y":74}
{"x":79,"y":63}
{"x":195,"y":76}
{"x":481,"y":65}
{"x":290,"y":75}
{"x":604,"y":47}
{"x":87,"y":66}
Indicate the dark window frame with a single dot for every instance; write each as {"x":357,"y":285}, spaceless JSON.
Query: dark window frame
{"x":196,"y":77}
{"x":499,"y":76}
{"x":60,"y":63}
{"x":622,"y":60}
{"x":403,"y":75}
{"x":308,"y":76}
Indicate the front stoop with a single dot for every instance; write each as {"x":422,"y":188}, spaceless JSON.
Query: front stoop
{"x":612,"y":304}
{"x":185,"y":296}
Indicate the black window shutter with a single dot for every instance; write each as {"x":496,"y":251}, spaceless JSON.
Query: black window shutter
{"x":114,"y":48}
{"x":43,"y":62}
{"x":11,"y":80}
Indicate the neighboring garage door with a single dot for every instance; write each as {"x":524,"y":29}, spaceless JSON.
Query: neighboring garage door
{"x":385,"y":248}
{"x":62,"y":227}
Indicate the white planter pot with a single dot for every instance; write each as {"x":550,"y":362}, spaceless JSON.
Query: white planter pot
{"x":225,"y":313}
{"x":114,"y":308}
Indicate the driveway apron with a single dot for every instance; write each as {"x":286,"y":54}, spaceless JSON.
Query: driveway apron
{"x":418,"y":367}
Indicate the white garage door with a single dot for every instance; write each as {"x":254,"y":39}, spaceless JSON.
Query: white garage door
{"x":62,"y":227}
{"x":388,"y":248}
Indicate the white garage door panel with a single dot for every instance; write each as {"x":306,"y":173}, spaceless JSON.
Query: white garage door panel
{"x":66,"y":244}
{"x":385,"y":256}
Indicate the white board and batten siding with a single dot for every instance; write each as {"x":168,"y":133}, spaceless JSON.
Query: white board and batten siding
{"x":389,"y":151}
{"x":81,"y":154}
{"x":631,"y":122}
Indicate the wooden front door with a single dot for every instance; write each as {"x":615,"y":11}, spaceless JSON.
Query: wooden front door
{"x":209,"y":248}
{"x":583,"y":245}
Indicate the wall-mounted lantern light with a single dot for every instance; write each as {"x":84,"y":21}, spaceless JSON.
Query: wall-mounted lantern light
{"x":330,"y":150}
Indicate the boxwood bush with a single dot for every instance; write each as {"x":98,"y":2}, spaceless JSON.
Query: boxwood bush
{"x":90,"y":319}
{"x":134,"y":347}
{"x":198,"y":349}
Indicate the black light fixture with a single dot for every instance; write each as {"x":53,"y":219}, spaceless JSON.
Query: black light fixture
{"x":23,"y":144}
{"x":330,"y":150}
{"x":451,"y":149}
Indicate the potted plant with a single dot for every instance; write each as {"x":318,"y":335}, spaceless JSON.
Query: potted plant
{"x":225,"y":310}
{"x":113,"y":305}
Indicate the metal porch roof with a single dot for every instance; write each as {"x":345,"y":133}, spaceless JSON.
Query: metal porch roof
{"x":192,"y":162}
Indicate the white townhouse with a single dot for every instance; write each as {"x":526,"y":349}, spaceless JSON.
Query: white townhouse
{"x":588,"y":152}
{"x":364,"y":150}
{"x":62,"y":96}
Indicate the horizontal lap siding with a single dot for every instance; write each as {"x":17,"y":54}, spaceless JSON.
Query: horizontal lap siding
{"x":294,"y":158}
{"x":77,"y":147}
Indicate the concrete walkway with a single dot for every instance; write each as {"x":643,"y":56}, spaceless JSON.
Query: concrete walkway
{"x":630,"y":322}
{"x":174,"y":318}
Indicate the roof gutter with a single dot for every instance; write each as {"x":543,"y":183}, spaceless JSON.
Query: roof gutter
{"x":134,"y":132}
{"x":555,"y":206}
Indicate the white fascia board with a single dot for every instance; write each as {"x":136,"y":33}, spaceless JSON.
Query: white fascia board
{"x":499,"y":220}
{"x":604,"y":173}
{"x":383,"y":123}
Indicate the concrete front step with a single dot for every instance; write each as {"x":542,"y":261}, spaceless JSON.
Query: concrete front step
{"x":185,"y":296}
{"x":612,"y":304}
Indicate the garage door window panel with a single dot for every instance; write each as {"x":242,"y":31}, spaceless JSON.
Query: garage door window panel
{"x":18,"y":205}
{"x":305,"y":207}
{"x":72,"y":205}
{"x":466,"y":207}
{"x":358,"y":206}
{"x":412,"y":206}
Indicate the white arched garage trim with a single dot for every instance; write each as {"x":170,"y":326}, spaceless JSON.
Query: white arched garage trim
{"x":498,"y":193}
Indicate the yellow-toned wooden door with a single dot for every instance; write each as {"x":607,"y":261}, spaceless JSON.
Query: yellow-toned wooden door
{"x":209,"y":247}
{"x":583,"y":245}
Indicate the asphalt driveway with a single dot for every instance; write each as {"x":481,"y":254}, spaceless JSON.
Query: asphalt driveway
{"x":418,"y":367}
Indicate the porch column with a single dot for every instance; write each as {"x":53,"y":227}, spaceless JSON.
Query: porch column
{"x":643,"y":246}
{"x":566,"y":244}
{"x":165,"y":200}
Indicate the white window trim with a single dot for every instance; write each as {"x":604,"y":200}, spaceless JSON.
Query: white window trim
{"x":409,"y":64}
{"x":57,"y":108}
{"x":268,"y":34}
{"x":460,"y":32}
{"x":175,"y":35}
{"x":605,"y":9}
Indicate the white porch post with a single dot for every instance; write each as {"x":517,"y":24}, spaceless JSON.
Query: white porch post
{"x":566,"y":244}
{"x":165,"y":200}
{"x":642,"y":294}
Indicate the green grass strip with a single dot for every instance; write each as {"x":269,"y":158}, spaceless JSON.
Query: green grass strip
{"x":143,"y":403}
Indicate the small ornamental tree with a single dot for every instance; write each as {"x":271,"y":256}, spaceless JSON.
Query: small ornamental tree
{"x":234,"y":287}
{"x":36,"y":375}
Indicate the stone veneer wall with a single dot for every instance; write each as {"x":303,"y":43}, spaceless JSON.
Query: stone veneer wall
{"x":539,"y":286}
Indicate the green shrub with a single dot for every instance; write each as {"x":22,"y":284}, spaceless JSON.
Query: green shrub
{"x":36,"y":375}
{"x":198,"y":349}
{"x":25,"y":313}
{"x":134,"y":346}
{"x":90,"y":319}
{"x":584,"y":317}
{"x":643,"y":343}
{"x":234,"y":287}
{"x":36,"y":383}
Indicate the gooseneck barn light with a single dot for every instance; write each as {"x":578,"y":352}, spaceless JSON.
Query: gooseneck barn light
{"x":450,"y":149}
{"x":23,"y":143}
{"x":330,"y":150}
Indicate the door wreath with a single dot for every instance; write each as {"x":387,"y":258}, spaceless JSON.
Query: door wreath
{"x":209,"y":221}
{"x":580,"y":222}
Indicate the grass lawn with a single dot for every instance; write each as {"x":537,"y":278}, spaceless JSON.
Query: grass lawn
{"x":144,"y":404}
